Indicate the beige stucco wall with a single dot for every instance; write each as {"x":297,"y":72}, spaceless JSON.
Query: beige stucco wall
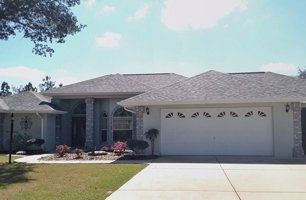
{"x":282,"y":124}
{"x":43,"y":127}
{"x":34,"y":132}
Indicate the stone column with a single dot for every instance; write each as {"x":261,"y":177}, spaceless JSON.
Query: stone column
{"x":297,"y":130}
{"x":58,"y":129}
{"x":89,"y":136}
{"x":1,"y":130}
{"x":139,"y":123}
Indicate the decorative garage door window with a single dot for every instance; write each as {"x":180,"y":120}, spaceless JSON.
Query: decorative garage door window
{"x":221,"y":114}
{"x":249,"y":114}
{"x":233,"y":114}
{"x":26,"y":123}
{"x":261,"y":114}
{"x":180,"y":115}
{"x":195,"y":115}
{"x":206,"y":114}
{"x":169,"y":115}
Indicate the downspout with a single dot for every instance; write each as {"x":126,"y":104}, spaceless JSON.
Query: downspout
{"x":41,"y":127}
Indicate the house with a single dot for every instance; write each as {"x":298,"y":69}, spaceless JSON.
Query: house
{"x":213,"y":113}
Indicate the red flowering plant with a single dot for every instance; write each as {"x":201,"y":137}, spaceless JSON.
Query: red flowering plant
{"x":119,"y":147}
{"x":62,"y":150}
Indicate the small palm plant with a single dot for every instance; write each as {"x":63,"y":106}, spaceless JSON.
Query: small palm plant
{"x":152,"y":135}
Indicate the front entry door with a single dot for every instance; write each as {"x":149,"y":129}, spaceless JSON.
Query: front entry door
{"x":78,"y":131}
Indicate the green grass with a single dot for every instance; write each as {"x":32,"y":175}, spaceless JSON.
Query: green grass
{"x":4,"y":158}
{"x":63,"y":181}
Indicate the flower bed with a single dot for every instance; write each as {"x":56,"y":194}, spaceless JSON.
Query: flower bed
{"x":84,"y":156}
{"x":98,"y":156}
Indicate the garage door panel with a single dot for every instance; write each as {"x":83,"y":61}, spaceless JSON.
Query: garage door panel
{"x":232,"y":134}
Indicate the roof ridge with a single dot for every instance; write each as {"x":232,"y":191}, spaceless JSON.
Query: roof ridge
{"x":138,"y":82}
{"x":148,"y":74}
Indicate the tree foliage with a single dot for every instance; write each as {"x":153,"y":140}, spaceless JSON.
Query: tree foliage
{"x":5,"y":89}
{"x":41,"y":21}
{"x":47,"y":84}
{"x":302,"y":73}
{"x":29,"y":87}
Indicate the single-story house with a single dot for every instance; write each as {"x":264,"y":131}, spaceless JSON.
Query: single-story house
{"x":213,"y":113}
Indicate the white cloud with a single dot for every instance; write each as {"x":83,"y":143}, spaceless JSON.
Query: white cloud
{"x":179,"y":15}
{"x":21,"y":75}
{"x":109,"y":40}
{"x":282,"y":68}
{"x":107,"y":10}
{"x":139,"y":14}
{"x":90,"y":2}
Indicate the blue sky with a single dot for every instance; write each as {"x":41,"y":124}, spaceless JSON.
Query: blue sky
{"x":182,"y":36}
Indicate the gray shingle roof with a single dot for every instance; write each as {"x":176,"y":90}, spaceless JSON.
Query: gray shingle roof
{"x":217,"y":87}
{"x":157,"y":80}
{"x":28,"y":102}
{"x":116,"y":84}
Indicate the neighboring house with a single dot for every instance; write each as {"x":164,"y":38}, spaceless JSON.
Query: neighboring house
{"x":212,"y":113}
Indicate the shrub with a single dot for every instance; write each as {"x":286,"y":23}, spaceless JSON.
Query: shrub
{"x":78,"y":152}
{"x":136,"y":145}
{"x":119,"y":147}
{"x":152,"y":135}
{"x":20,"y":142}
{"x":62,"y":150}
{"x":35,"y":141}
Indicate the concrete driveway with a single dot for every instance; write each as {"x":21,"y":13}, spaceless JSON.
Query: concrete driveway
{"x":228,"y":178}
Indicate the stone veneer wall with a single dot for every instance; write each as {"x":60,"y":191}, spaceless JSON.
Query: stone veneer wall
{"x":58,"y":129}
{"x":1,"y":130}
{"x":139,"y":123}
{"x":297,"y":126}
{"x":89,"y":137}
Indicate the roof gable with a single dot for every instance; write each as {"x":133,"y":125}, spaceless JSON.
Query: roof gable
{"x":29,"y":102}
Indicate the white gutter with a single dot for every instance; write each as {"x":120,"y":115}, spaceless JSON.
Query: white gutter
{"x":125,"y":103}
{"x":42,"y":125}
{"x":129,"y":110}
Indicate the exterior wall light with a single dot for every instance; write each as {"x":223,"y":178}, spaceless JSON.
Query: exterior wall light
{"x":147,"y":110}
{"x":287,"y":107}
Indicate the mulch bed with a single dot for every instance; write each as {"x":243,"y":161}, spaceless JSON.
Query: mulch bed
{"x":108,"y":156}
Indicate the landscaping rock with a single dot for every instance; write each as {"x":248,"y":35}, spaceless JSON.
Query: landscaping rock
{"x":21,"y":153}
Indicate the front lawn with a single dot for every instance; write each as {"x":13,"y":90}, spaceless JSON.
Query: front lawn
{"x":63,"y":181}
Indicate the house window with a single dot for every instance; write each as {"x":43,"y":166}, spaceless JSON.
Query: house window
{"x":221,"y":114}
{"x":169,"y":115}
{"x":233,"y":114}
{"x":195,"y":115}
{"x":261,"y":114}
{"x":180,"y":115}
{"x":122,"y":125}
{"x":206,"y":114}
{"x":249,"y":114}
{"x":79,"y":110}
{"x":104,"y":121}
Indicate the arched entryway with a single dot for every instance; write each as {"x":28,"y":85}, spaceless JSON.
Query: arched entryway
{"x":78,"y":125}
{"x":122,"y":125}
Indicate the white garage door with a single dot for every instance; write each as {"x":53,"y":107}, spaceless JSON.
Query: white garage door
{"x":217,"y":131}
